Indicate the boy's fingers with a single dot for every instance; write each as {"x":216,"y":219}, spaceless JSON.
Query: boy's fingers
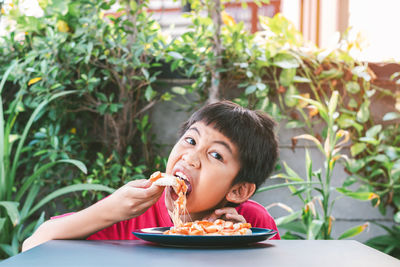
{"x":223,"y":211}
{"x":211,"y":218}
{"x":142,"y":183}
{"x":143,"y":189}
{"x":235,"y":217}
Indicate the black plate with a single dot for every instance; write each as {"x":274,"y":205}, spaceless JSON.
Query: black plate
{"x":156,"y":235}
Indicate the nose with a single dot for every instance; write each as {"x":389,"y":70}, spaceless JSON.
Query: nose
{"x":191,"y":159}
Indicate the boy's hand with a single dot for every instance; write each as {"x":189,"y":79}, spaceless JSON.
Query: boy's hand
{"x":227,"y":214}
{"x":131,"y":200}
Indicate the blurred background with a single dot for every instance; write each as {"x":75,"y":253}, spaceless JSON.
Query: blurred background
{"x":320,"y":21}
{"x":94,"y":91}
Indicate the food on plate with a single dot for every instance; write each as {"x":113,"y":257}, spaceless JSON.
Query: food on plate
{"x":219,"y":227}
{"x":180,"y":185}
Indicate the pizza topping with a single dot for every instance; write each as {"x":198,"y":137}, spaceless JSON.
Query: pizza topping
{"x":219,"y":227}
{"x":178,"y":183}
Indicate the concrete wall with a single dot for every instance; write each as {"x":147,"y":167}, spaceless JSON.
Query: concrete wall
{"x":167,"y":117}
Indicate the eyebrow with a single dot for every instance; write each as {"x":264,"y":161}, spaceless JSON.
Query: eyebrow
{"x":217,"y":142}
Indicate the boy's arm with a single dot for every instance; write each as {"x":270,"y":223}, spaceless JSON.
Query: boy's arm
{"x":129,"y":201}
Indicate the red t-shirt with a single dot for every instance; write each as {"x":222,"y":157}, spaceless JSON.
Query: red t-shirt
{"x":157,"y":216}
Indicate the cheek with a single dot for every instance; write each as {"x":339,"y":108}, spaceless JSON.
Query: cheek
{"x":212,"y":187}
{"x":171,"y":160}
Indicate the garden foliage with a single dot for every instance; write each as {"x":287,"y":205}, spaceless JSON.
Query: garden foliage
{"x":111,"y":59}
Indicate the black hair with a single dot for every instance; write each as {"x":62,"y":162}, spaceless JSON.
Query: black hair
{"x":253,"y":132}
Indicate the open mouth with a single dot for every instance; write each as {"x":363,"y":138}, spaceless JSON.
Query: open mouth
{"x":183,"y":177}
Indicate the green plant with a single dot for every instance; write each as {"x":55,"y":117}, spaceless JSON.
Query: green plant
{"x":210,"y":50}
{"x":110,"y":58}
{"x":20,"y":197}
{"x":389,"y":243}
{"x":111,"y":171}
{"x":316,"y":189}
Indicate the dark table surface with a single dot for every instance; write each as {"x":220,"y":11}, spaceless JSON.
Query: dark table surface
{"x":141,"y":253}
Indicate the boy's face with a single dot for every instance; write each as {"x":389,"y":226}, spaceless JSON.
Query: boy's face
{"x":210,"y":161}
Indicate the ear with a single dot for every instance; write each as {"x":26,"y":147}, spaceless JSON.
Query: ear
{"x":240,"y":192}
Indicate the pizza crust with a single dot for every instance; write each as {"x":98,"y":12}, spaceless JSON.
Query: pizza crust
{"x":167,"y":180}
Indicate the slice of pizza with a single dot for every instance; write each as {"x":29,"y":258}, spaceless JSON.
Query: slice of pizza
{"x":162,"y":179}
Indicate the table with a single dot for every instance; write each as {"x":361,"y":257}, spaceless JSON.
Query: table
{"x":282,"y":253}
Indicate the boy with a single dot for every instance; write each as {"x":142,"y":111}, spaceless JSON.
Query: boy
{"x":225,"y":152}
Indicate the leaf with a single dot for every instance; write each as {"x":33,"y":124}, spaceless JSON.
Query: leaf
{"x":292,"y":175}
{"x":380,"y":158}
{"x":369,"y":140}
{"x":12,"y":211}
{"x":310,"y":138}
{"x":288,"y":218}
{"x":357,"y":148}
{"x":364,"y":196}
{"x":391,"y":152}
{"x":175,"y":55}
{"x":250,"y":89}
{"x":299,"y":79}
{"x":391,"y":116}
{"x":354,"y":165}
{"x":294,"y":124}
{"x":314,"y":229}
{"x":363,"y":113}
{"x":102,"y":96}
{"x":346,"y":121}
{"x":28,"y":201}
{"x":4,"y":78}
{"x":2,"y":221}
{"x":295,"y":226}
{"x":354,"y":231}
{"x":308,"y":166}
{"x":148,"y":94}
{"x":28,"y":125}
{"x":34,"y":80}
{"x":290,"y":99}
{"x":178,"y":90}
{"x":261,"y":86}
{"x":396,"y":217}
{"x":321,"y":109}
{"x":275,"y":186}
{"x":29,"y":181}
{"x":373,"y":131}
{"x":383,"y":240}
{"x":362,"y":72}
{"x":330,"y":74}
{"x":62,"y":26}
{"x":286,"y":61}
{"x":352,"y":87}
{"x":69,"y":189}
{"x":333,"y":103}
{"x":286,"y":77}
{"x":7,"y":249}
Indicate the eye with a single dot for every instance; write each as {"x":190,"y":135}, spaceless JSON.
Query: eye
{"x":190,"y":141}
{"x":217,"y":156}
